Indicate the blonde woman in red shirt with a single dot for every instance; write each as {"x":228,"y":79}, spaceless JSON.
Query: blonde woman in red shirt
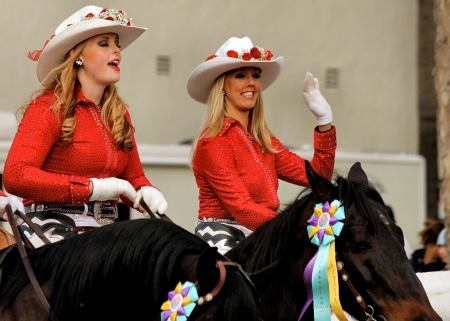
{"x":236,"y":159}
{"x":74,"y":154}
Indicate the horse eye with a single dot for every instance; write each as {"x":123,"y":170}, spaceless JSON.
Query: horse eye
{"x":362,"y":245}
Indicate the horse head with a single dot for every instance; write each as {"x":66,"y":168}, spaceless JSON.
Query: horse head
{"x":369,"y":245}
{"x":376,"y":276}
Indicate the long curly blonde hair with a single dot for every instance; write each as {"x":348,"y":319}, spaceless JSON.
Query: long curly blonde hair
{"x":216,"y":112}
{"x":65,"y":87}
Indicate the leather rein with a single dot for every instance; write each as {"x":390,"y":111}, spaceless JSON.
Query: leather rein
{"x":23,"y":253}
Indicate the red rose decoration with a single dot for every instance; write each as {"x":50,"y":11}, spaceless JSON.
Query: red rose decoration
{"x":104,"y":10}
{"x":269,"y":55}
{"x":255,"y":53}
{"x":90,"y":15}
{"x":247,"y":56}
{"x":109,"y":18}
{"x":210,"y":57}
{"x":232,"y":54}
{"x":120,"y":11}
{"x":129,"y":23}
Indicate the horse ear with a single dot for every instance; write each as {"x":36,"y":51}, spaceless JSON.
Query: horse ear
{"x":320,"y":186}
{"x":207,"y":271}
{"x":357,"y":174}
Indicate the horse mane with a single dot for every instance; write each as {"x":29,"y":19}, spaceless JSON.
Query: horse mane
{"x":272,"y":239}
{"x":141,"y":252}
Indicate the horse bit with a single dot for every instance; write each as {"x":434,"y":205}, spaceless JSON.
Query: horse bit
{"x":368,"y":309}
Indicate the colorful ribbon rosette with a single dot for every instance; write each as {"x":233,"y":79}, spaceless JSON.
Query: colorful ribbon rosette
{"x":320,"y":275}
{"x":181,"y":302}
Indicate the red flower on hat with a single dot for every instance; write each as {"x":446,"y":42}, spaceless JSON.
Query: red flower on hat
{"x":246,"y":56}
{"x":232,"y":54}
{"x":269,"y":55}
{"x":211,"y":57}
{"x":109,"y":18}
{"x":255,"y":53}
{"x":104,"y":10}
{"x":90,"y":15}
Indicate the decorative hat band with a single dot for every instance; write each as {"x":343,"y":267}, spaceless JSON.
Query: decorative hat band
{"x":255,"y":54}
{"x":118,"y":16}
{"x":115,"y":15}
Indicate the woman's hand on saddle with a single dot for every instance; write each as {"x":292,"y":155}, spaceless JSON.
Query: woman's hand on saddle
{"x":16,"y":204}
{"x":105,"y":189}
{"x":153,"y":198}
{"x":315,"y":101}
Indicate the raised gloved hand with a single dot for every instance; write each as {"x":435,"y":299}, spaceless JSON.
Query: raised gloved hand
{"x":105,"y":189}
{"x":16,"y":204}
{"x":315,"y":101}
{"x":153,"y":198}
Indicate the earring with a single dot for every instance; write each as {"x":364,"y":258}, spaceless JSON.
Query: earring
{"x":78,"y":62}
{"x":224,"y":93}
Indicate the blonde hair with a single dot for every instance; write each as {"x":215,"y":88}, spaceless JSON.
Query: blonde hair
{"x":65,"y":87}
{"x":215,"y":113}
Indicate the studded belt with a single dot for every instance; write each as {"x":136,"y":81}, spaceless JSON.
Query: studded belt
{"x":217,"y":220}
{"x":103,"y":212}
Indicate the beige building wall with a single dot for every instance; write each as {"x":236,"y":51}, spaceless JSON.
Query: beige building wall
{"x":371,"y":43}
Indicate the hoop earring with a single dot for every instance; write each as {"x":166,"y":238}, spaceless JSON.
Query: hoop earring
{"x":78,"y":63}
{"x":224,"y":93}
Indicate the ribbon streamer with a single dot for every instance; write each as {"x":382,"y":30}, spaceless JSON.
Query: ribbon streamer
{"x":320,"y":275}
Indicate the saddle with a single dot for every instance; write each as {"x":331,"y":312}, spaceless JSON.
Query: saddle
{"x":224,"y":237}
{"x":55,"y":226}
{"x":6,"y":239}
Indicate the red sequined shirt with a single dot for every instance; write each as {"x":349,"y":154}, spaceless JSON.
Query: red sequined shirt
{"x":40,"y":169}
{"x":237,"y":180}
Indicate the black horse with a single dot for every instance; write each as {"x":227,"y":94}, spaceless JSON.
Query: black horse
{"x":122,"y":271}
{"x":370,"y":246}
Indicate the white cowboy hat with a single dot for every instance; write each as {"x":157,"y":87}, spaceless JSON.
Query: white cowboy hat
{"x":234,"y":53}
{"x":83,"y":24}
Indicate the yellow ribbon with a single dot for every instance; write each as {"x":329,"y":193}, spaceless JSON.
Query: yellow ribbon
{"x":333,"y":284}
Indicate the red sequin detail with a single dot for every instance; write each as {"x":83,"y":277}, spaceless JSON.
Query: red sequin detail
{"x":40,"y":169}
{"x":236,"y":179}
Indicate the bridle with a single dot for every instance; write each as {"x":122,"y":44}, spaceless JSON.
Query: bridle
{"x":368,"y":309}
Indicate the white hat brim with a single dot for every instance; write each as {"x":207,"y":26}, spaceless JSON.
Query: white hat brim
{"x":58,"y":47}
{"x":201,"y":80}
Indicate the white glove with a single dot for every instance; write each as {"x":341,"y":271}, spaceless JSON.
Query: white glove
{"x":153,"y":198}
{"x":105,"y":189}
{"x":315,"y":101}
{"x":15,"y":203}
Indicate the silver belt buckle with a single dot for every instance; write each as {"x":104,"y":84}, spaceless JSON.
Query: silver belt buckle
{"x":98,"y":213}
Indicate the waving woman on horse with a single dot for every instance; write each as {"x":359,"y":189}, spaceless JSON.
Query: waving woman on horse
{"x":237,"y":160}
{"x":75,"y":153}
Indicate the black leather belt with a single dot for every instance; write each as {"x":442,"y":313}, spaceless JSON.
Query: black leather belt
{"x":103,"y":212}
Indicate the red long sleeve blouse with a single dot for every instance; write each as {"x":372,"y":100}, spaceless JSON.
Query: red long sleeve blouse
{"x":40,"y":169}
{"x":236,"y":180}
